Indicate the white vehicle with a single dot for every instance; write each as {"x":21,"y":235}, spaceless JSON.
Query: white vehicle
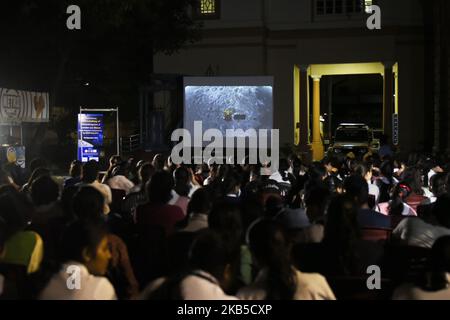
{"x":353,"y":137}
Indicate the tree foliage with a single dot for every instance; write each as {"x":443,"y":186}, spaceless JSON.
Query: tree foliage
{"x":113,"y":51}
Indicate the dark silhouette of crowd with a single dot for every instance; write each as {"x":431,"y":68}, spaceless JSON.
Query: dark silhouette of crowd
{"x":157,"y":230}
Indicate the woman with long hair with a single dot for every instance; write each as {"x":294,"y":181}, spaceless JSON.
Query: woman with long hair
{"x":278,"y":279}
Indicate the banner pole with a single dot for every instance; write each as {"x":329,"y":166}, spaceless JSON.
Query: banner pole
{"x":118,"y":136}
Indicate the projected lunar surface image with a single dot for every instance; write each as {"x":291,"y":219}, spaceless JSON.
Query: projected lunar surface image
{"x":228,"y":107}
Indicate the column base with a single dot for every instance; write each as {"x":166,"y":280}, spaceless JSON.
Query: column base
{"x":317,"y":151}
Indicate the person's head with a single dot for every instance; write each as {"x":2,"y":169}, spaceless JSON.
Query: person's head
{"x":412,"y":177}
{"x":5,"y":178}
{"x":357,"y":187}
{"x":88,"y":203}
{"x":201,"y":202}
{"x":158,"y":162}
{"x":225,"y":218}
{"x":387,"y":170}
{"x":331,"y":164}
{"x":255,"y":171}
{"x":114,"y":160}
{"x":439,"y":264}
{"x":231,"y":183}
{"x":213,"y":168}
{"x":90,"y":171}
{"x":120,"y":169}
{"x":37,"y":163}
{"x":182,"y":181}
{"x":87,"y":243}
{"x":15,"y":210}
{"x":316,"y":200}
{"x":67,"y":196}
{"x":283,"y":166}
{"x":273,"y":206}
{"x":38,"y":172}
{"x":364,"y":170}
{"x":441,"y":211}
{"x":399,"y":194}
{"x":75,"y":168}
{"x":160,"y":187}
{"x":341,"y":228}
{"x":438,"y":184}
{"x":317,"y":172}
{"x":271,"y":252}
{"x":146,"y":170}
{"x":44,"y":190}
{"x":267,"y":189}
{"x":211,"y":252}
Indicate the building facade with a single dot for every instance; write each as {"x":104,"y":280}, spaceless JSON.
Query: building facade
{"x":299,"y":41}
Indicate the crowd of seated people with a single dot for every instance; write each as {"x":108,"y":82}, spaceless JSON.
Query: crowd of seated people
{"x":158,"y":230}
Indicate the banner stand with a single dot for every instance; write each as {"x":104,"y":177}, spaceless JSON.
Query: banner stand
{"x":90,"y":110}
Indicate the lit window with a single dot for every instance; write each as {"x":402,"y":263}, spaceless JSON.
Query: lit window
{"x":342,"y":7}
{"x":207,"y":6}
{"x":207,"y":9}
{"x":367,"y":5}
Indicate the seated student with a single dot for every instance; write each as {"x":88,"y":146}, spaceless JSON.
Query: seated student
{"x":342,"y":251}
{"x":87,"y":206}
{"x":412,"y":178}
{"x":278,"y":279}
{"x":5,"y":178}
{"x":156,"y":212}
{"x":198,"y":210}
{"x":435,"y":283}
{"x":75,"y":174}
{"x":416,"y":232}
{"x":90,"y":176}
{"x":356,"y":187}
{"x":85,"y":257}
{"x":138,"y":195}
{"x":438,"y":188}
{"x":226,"y":219}
{"x":316,"y":200}
{"x":181,"y":191}
{"x":365,"y":171}
{"x":119,"y":179}
{"x":207,"y":277}
{"x":49,"y":218}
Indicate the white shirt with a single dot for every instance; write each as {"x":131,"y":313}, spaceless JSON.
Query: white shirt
{"x":197,"y":288}
{"x":310,"y":286}
{"x":193,"y":189}
{"x":407,"y":209}
{"x":278,"y":178}
{"x":91,"y":287}
{"x":197,"y":222}
{"x":374,"y":190}
{"x":410,"y":292}
{"x":416,"y":232}
{"x":193,"y":288}
{"x":430,"y":174}
{"x":106,"y":192}
{"x":121,"y":183}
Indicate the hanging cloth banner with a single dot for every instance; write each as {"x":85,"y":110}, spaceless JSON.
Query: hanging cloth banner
{"x":17,"y":106}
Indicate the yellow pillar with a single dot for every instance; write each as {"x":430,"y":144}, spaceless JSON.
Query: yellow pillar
{"x":317,"y":145}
